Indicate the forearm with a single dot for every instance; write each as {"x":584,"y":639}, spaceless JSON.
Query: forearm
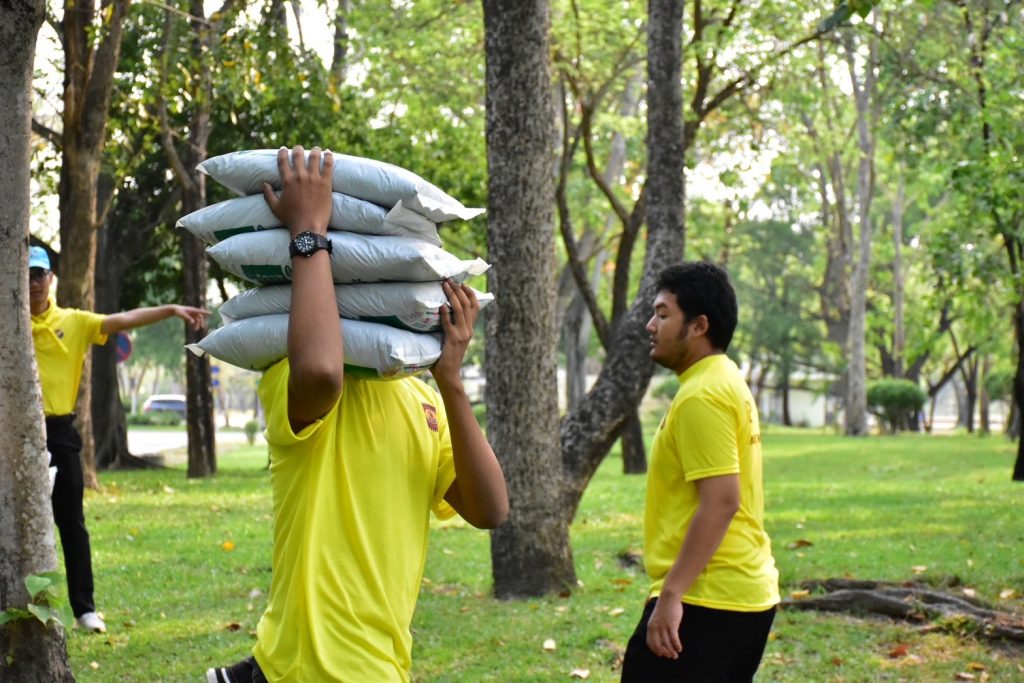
{"x":138,"y":317}
{"x":479,"y":493}
{"x":707,"y":529}
{"x":315,"y":345}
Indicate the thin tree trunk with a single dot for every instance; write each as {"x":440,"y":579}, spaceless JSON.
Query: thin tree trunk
{"x":634,"y":458}
{"x":898,"y":333}
{"x":984,"y":419}
{"x":29,"y":651}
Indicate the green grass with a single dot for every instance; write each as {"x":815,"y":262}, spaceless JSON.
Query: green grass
{"x":182,"y":568}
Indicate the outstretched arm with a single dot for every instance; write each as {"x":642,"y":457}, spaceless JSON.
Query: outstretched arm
{"x":316,"y":354}
{"x":478,"y":493}
{"x":140,"y":317}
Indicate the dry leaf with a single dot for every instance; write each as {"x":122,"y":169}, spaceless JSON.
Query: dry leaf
{"x":919,"y":569}
{"x":970,"y":592}
{"x":94,"y":665}
{"x":234,"y":626}
{"x":799,"y":543}
{"x":1007,"y":594}
{"x":975,"y":666}
{"x":984,"y":676}
{"x":837,"y":661}
{"x":964,"y":676}
{"x":227,"y":546}
{"x":168,"y":489}
{"x":799,"y":595}
{"x":580,"y":673}
{"x":899,"y":651}
{"x":549,"y":645}
{"x":616,"y":612}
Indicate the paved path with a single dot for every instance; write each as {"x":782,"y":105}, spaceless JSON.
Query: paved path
{"x":141,"y":442}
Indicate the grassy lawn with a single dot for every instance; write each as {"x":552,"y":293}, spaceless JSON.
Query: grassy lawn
{"x":182,"y":568}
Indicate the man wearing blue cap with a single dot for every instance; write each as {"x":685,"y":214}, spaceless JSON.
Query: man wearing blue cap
{"x":62,"y":337}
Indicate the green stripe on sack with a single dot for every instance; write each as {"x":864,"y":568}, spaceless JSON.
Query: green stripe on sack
{"x":266,"y":274}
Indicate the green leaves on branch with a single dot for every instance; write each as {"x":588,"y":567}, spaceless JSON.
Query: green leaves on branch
{"x":844,"y":10}
{"x":46,"y":603}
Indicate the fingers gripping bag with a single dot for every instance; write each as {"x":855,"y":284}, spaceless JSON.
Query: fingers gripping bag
{"x":262,"y":257}
{"x":412,"y":306}
{"x":371,"y":349}
{"x":225,"y":219}
{"x":245,"y":172}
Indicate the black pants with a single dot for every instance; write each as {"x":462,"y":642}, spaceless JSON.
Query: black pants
{"x":65,"y":445}
{"x":719,"y":646}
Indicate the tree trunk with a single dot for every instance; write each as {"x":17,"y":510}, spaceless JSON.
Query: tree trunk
{"x":589,"y":431}
{"x":339,"y":59}
{"x":898,"y":333}
{"x":89,"y":67}
{"x":1018,"y":390}
{"x":856,"y":371}
{"x":984,"y":418}
{"x":29,"y":651}
{"x":634,"y":455}
{"x":530,"y":552}
{"x":970,"y":397}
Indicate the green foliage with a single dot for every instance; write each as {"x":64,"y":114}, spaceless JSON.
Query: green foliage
{"x":47,"y":602}
{"x":895,"y":400}
{"x":999,"y":384}
{"x":666,"y":389}
{"x":252,"y":428}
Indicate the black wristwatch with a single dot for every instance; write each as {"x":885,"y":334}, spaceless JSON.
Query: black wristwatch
{"x":308,"y":243}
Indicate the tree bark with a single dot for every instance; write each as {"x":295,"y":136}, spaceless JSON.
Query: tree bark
{"x":898,"y":286}
{"x":29,"y":651}
{"x":634,"y":454}
{"x":856,"y":371}
{"x":530,"y":553}
{"x":89,"y":67}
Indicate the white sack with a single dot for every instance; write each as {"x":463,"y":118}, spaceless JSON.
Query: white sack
{"x":408,"y":305}
{"x":262,"y":257}
{"x":225,"y":219}
{"x":375,"y":181}
{"x":370,"y":349}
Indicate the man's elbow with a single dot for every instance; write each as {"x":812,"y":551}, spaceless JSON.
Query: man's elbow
{"x":491,"y":518}
{"x":323,"y":377}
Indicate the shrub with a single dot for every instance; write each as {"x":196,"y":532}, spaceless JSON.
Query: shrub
{"x":896,"y":401}
{"x":158,"y":418}
{"x":252,"y":427}
{"x":999,"y":385}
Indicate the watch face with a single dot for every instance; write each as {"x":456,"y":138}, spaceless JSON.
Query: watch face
{"x":305,"y":243}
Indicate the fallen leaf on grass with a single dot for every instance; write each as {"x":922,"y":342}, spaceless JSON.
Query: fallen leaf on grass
{"x":799,"y":595}
{"x":837,"y":661}
{"x":227,"y":546}
{"x":919,"y":569}
{"x":964,"y":676}
{"x":549,"y":645}
{"x":233,"y":626}
{"x":799,"y":543}
{"x":1007,"y":594}
{"x":975,"y":666}
{"x":899,"y":651}
{"x":94,"y":665}
{"x":616,"y":612}
{"x":579,"y":673}
{"x":970,"y":592}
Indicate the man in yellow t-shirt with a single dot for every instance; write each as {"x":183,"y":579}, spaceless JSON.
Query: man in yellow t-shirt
{"x":714,"y":585}
{"x":357,"y":465}
{"x":62,"y":337}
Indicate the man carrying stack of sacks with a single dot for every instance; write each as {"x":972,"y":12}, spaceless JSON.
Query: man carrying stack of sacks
{"x":356,"y":464}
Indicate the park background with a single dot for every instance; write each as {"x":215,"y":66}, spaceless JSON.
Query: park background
{"x":856,"y":167}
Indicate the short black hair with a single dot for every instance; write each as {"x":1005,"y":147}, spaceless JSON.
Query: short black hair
{"x":702,"y":288}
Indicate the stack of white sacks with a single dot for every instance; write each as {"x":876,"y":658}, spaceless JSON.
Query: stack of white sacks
{"x":387,"y":263}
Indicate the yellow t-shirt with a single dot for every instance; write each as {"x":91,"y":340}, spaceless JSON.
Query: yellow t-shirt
{"x":62,"y":337}
{"x":352,"y":499}
{"x":711,"y":429}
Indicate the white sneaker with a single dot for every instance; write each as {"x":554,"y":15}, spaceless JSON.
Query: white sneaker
{"x":91,"y":621}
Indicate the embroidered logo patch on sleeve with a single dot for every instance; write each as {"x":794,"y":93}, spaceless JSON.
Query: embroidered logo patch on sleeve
{"x":431,"y":414}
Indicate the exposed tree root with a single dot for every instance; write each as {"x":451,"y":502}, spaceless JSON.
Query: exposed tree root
{"x":911,"y":601}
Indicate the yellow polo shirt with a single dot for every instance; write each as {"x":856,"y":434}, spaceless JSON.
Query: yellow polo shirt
{"x":711,"y":429}
{"x":352,"y":497}
{"x":62,"y":337}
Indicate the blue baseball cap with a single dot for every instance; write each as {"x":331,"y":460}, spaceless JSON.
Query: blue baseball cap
{"x":38,"y":258}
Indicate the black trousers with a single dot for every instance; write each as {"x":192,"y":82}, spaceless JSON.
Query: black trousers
{"x":65,"y":445}
{"x":719,"y":646}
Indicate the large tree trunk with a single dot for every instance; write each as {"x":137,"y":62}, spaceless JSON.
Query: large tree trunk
{"x":530,"y":552}
{"x":89,"y":67}
{"x":856,"y":371}
{"x":29,"y":651}
{"x":1018,"y":391}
